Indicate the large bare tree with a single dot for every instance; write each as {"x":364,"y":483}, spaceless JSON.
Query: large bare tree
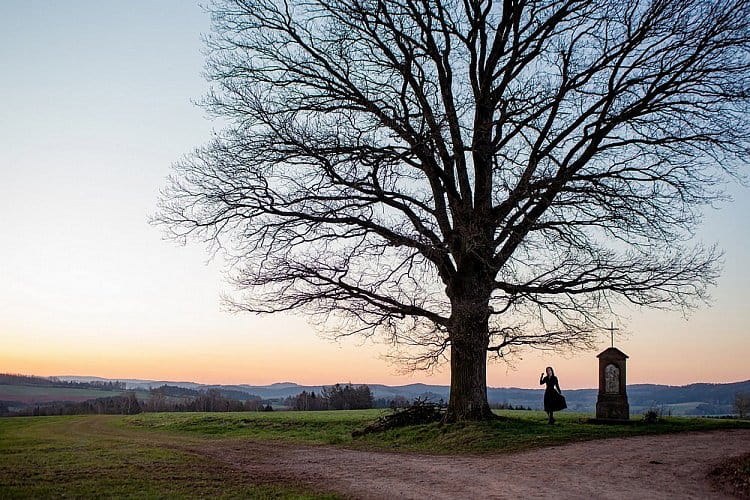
{"x":466,"y":177}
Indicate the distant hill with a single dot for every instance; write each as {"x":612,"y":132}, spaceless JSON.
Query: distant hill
{"x":20,"y":391}
{"x":132,"y":383}
{"x":692,"y":399}
{"x":17,"y":391}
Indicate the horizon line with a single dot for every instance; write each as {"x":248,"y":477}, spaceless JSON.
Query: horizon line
{"x":365,"y":383}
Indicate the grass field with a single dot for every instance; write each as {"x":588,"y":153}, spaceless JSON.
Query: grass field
{"x":42,"y":394}
{"x":81,"y":457}
{"x":517,"y":430}
{"x":158,"y":455}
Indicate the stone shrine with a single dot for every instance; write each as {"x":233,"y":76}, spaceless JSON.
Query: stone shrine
{"x":612,"y":402}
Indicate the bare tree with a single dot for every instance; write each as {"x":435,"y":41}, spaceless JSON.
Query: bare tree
{"x":742,"y":404}
{"x":466,"y":177}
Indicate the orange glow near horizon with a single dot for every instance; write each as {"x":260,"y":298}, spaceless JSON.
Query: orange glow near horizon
{"x":304,"y":358}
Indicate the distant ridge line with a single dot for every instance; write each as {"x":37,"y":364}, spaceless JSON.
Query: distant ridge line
{"x":700,"y":398}
{"x":85,"y":378}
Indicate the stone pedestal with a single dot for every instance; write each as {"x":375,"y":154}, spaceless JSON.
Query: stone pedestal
{"x":612,"y":403}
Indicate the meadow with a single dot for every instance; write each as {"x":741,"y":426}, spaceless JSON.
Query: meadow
{"x":42,"y":394}
{"x":160,"y":455}
{"x":87,"y":457}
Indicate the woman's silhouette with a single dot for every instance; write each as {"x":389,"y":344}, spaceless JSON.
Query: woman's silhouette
{"x":553,"y":399}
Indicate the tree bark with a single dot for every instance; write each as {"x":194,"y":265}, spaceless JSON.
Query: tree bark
{"x":468,"y":396}
{"x":469,"y":336}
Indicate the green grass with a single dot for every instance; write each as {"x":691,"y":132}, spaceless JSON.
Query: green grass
{"x":317,"y":427}
{"x":516,"y":430}
{"x":42,"y":457}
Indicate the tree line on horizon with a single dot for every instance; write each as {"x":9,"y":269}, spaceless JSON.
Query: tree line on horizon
{"x":335,"y":397}
{"x":168,"y":398}
{"x":127,"y":404}
{"x":177,"y":399}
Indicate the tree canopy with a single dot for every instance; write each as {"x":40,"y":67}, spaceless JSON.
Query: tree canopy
{"x":467,"y":175}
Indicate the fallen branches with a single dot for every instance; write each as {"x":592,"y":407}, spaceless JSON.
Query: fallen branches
{"x":418,"y":413}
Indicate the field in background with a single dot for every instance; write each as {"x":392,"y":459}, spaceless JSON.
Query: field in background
{"x":42,"y":394}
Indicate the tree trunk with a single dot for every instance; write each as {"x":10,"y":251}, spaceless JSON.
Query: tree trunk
{"x":468,"y":397}
{"x":468,"y":330}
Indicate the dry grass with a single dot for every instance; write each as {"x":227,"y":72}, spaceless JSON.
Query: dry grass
{"x":733,"y":476}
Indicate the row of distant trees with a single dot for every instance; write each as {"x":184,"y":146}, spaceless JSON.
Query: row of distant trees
{"x":184,"y":392}
{"x":508,"y":406}
{"x":336,"y":397}
{"x":166,"y":399}
{"x":349,"y":397}
{"x":127,"y":404}
{"x":211,"y":400}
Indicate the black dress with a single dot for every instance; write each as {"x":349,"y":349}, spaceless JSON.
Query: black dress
{"x":553,"y":400}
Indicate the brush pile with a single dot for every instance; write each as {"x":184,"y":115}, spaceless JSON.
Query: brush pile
{"x":418,"y":413}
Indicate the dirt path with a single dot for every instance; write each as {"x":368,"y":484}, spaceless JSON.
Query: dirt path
{"x":666,"y":466}
{"x":674,"y":466}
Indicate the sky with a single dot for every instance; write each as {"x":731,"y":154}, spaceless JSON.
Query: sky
{"x":97,"y":103}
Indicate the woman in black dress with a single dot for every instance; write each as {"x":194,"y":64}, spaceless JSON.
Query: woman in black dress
{"x":553,"y":399}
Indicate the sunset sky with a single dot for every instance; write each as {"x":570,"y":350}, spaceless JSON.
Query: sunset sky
{"x":97,"y":103}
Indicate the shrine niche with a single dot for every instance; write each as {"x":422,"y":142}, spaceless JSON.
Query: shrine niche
{"x":612,"y":402}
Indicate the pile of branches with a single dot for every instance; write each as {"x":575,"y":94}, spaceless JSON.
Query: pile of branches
{"x":419,"y":412}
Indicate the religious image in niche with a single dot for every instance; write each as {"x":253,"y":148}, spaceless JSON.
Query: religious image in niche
{"x":553,"y":398}
{"x":612,"y":379}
